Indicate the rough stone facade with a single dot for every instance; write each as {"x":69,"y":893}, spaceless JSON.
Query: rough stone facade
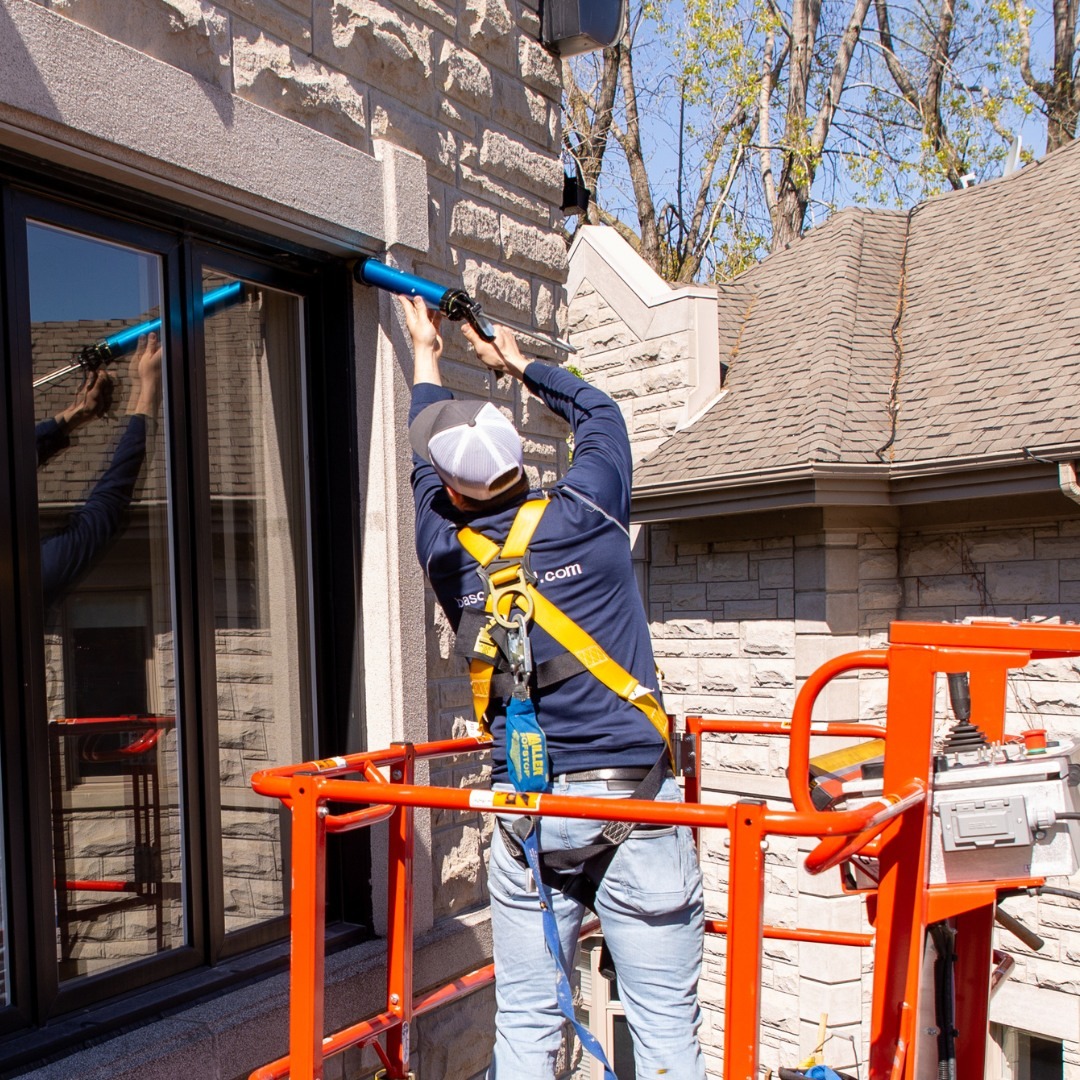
{"x":426,"y":131}
{"x":744,"y":608}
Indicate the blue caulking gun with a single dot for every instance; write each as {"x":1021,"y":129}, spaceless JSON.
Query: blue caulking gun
{"x":456,"y":304}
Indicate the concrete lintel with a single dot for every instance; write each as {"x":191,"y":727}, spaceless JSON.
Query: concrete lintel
{"x":406,"y":196}
{"x":1054,"y":1014}
{"x":66,"y":95}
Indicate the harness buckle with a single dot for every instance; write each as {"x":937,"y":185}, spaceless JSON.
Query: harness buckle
{"x":509,"y":578}
{"x":618,"y":831}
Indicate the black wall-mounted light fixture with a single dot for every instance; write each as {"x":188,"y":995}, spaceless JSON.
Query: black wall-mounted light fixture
{"x":575,"y":195}
{"x":571,"y":27}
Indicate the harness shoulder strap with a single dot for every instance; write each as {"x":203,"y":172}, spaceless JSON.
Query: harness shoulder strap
{"x":593,"y":658}
{"x":485,"y":550}
{"x":559,"y":626}
{"x":484,"y":651}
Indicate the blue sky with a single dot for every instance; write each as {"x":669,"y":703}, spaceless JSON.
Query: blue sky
{"x":76,"y":277}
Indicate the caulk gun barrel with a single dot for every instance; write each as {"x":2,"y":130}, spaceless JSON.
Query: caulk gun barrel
{"x":455,"y":304}
{"x":373,"y":272}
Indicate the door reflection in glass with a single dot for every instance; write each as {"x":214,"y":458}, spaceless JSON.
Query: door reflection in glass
{"x":258,"y":495}
{"x":105,"y":574}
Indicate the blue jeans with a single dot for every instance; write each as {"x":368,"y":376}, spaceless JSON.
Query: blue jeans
{"x":652,"y":914}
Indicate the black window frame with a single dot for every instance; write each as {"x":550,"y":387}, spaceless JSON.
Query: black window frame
{"x":41,"y":1017}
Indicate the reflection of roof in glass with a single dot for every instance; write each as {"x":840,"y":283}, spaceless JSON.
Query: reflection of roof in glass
{"x":234,"y":340}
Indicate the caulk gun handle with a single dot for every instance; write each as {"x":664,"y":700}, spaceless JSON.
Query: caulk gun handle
{"x":459,"y":305}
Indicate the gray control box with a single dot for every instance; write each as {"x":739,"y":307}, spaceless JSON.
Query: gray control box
{"x":985,"y":823}
{"x":999,"y":820}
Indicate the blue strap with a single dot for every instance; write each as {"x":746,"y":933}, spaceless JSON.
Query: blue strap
{"x":562,"y":978}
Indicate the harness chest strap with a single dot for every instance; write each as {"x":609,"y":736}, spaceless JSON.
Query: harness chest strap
{"x":509,"y":586}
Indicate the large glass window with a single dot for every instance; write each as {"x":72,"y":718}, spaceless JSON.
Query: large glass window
{"x":102,"y":479}
{"x":180,"y":608}
{"x":258,"y":498}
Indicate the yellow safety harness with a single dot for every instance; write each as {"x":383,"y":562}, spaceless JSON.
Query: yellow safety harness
{"x":513,"y":601}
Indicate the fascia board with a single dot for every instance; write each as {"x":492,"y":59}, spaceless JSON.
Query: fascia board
{"x":790,"y":489}
{"x":840,"y":485}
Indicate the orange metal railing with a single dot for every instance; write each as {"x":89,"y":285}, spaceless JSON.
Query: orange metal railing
{"x":894,"y":827}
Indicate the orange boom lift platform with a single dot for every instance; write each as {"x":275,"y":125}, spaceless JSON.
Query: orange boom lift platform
{"x":935,"y":837}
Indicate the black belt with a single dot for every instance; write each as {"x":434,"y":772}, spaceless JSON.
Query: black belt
{"x":602,"y":774}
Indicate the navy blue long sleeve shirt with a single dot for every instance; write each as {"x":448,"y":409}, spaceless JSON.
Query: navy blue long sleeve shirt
{"x":580,"y":553}
{"x":69,"y":553}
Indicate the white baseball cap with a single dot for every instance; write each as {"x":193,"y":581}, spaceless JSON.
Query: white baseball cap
{"x":474,"y":448}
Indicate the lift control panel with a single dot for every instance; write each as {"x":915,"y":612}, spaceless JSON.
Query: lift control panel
{"x":999,"y":811}
{"x":1003,"y":818}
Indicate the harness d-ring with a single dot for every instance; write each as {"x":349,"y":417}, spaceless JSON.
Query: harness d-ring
{"x":513,"y":586}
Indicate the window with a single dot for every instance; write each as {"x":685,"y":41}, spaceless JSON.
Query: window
{"x":1022,"y":1055}
{"x":176,"y":394}
{"x":603,"y":1012}
{"x":258,"y":500}
{"x":106,"y":604}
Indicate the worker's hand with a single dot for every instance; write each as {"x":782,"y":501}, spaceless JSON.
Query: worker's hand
{"x":144,"y":374}
{"x":92,"y":399}
{"x":423,"y":326}
{"x":501,"y":355}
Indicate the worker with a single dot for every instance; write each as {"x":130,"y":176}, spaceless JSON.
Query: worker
{"x":468,"y":474}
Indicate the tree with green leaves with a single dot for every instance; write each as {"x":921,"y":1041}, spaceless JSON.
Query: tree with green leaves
{"x":1059,"y":89}
{"x":717,"y":130}
{"x":695,"y":79}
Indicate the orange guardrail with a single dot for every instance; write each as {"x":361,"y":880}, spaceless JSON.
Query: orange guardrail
{"x":893,"y":826}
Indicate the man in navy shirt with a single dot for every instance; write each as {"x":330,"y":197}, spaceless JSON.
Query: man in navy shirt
{"x":468,"y":471}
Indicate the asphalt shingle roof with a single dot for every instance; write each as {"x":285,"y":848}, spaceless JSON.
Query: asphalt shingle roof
{"x":983,"y":287}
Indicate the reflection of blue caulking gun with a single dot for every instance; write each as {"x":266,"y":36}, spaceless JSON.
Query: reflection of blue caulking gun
{"x":455,"y":304}
{"x":91,"y":357}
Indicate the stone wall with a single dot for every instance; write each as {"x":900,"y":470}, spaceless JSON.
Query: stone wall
{"x":743,"y":609}
{"x":653,"y":348}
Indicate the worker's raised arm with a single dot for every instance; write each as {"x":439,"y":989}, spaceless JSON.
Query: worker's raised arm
{"x":602,"y":465}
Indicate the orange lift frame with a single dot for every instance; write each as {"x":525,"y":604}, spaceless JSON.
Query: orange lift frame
{"x":894,"y":829}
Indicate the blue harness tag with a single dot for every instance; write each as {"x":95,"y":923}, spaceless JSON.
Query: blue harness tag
{"x":526,"y":747}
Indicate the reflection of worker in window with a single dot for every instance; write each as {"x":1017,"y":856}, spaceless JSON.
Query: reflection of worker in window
{"x":68,"y":553}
